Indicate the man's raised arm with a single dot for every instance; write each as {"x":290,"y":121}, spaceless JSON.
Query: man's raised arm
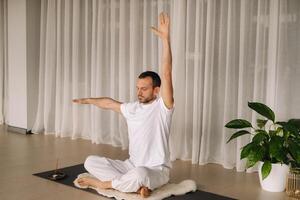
{"x":102,"y":102}
{"x":167,"y":86}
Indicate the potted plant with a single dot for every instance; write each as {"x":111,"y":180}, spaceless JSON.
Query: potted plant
{"x":275,"y":145}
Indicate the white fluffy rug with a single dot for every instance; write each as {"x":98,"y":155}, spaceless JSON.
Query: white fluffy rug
{"x":159,"y":193}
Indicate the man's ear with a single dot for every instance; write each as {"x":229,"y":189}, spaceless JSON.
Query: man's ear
{"x":156,"y":90}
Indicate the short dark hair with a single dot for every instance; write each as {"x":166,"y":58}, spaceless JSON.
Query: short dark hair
{"x":155,"y":77}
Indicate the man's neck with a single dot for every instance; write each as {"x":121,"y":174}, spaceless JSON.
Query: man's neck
{"x":149,"y":102}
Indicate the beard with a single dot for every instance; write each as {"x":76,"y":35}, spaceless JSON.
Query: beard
{"x":146,"y":100}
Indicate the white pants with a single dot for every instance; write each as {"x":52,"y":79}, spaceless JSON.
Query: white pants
{"x":124,"y":175}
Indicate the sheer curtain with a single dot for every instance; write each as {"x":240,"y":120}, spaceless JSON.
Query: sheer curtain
{"x":225,"y":53}
{"x":91,"y":49}
{"x":228,"y":53}
{"x":3,"y":56}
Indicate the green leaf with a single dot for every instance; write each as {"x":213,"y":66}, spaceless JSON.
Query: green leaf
{"x":272,"y":133}
{"x":276,"y":148}
{"x":295,"y":123}
{"x":278,"y":130}
{"x":261,"y":122}
{"x":246,"y":150}
{"x":250,"y":163}
{"x":237,"y":134}
{"x":266,"y":169}
{"x":286,"y":134}
{"x":256,"y":154}
{"x":262,"y":131}
{"x":281,"y":123}
{"x":260,"y":136}
{"x":294,"y":164}
{"x":294,"y":149}
{"x":263,"y":110}
{"x":238,"y":123}
{"x":291,"y":127}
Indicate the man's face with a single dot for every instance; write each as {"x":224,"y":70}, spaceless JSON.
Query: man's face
{"x":145,"y":91}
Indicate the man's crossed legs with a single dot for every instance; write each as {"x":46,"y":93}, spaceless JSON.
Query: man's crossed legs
{"x":123,"y":175}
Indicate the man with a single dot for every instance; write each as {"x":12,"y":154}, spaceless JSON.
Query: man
{"x":149,"y":121}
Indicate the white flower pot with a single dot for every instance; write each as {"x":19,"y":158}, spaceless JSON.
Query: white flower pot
{"x":276,"y":180}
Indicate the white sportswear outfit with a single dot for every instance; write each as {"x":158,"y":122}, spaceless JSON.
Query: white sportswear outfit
{"x":149,"y":161}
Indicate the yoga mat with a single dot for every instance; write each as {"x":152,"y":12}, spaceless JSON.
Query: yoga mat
{"x":73,"y":171}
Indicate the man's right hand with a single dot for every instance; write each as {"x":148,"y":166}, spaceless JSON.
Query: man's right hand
{"x":81,"y":101}
{"x":101,"y":102}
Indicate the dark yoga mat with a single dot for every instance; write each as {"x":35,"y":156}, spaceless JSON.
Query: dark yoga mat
{"x":73,"y":171}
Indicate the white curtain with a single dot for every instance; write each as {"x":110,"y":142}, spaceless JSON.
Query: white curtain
{"x":228,"y":53}
{"x":225,"y":53}
{"x":3,"y":57}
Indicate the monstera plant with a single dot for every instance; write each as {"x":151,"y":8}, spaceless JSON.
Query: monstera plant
{"x":272,"y":141}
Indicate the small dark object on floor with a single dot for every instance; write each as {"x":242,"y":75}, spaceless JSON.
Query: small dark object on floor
{"x":57,"y":175}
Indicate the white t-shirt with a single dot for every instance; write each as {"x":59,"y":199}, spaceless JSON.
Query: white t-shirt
{"x":148,"y":129}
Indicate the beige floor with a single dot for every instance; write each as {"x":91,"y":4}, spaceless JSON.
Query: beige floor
{"x":23,"y":155}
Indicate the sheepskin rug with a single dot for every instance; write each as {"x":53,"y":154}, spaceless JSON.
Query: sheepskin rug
{"x":159,"y":193}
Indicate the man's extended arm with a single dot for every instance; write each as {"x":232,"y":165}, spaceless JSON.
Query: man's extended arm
{"x":102,"y":102}
{"x":163,"y":33}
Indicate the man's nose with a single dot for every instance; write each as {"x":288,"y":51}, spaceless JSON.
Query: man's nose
{"x":139,"y":92}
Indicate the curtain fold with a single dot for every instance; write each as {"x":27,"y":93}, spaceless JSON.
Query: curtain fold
{"x":3,"y":60}
{"x":225,"y":53}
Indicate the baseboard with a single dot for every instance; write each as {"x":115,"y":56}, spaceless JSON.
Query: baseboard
{"x":18,"y":130}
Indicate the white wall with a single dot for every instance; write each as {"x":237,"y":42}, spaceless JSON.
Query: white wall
{"x":23,"y":62}
{"x":17,"y":97}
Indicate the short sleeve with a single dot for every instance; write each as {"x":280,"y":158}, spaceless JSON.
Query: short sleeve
{"x":128,"y":110}
{"x":124,"y":110}
{"x":164,"y":107}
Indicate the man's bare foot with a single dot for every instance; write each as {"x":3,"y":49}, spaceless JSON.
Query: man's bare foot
{"x":144,"y":192}
{"x":89,"y":181}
